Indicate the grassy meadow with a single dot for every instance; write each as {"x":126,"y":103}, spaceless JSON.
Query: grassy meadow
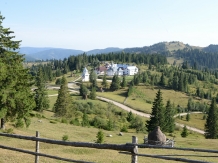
{"x":141,"y":100}
{"x":144,"y":95}
{"x":88,"y":134}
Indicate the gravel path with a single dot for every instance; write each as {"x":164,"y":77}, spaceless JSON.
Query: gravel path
{"x":124,"y":107}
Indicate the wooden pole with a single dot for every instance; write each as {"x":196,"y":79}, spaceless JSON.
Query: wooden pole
{"x":135,"y":150}
{"x":37,"y":148}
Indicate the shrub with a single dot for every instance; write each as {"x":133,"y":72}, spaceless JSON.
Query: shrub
{"x":54,"y":122}
{"x":64,"y":120}
{"x":100,"y":137}
{"x":124,"y":129}
{"x":204,"y":117}
{"x":75,"y":122}
{"x":65,"y":137}
{"x":19,"y":124}
{"x":58,"y":81}
{"x":38,"y":115}
{"x":9,"y":131}
{"x":184,"y":132}
{"x":32,"y":114}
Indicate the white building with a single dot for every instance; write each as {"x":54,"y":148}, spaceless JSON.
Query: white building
{"x":121,"y":69}
{"x":85,"y":75}
{"x":130,"y":70}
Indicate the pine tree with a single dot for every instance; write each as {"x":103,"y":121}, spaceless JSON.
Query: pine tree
{"x":130,"y":116}
{"x":169,"y":118}
{"x":63,"y":106}
{"x":123,"y":83}
{"x":130,"y":91}
{"x":93,"y":78}
{"x":16,"y":99}
{"x":188,"y":117}
{"x":184,"y":132}
{"x":41,"y":96}
{"x":162,"y":80}
{"x":157,"y":115}
{"x":100,"y":137}
{"x":211,"y":126}
{"x":115,"y":85}
{"x":85,"y":120}
{"x":104,"y":82}
{"x":83,"y":91}
{"x":93,"y":94}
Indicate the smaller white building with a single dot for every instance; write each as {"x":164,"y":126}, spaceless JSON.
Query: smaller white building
{"x":85,"y":75}
{"x":131,"y":70}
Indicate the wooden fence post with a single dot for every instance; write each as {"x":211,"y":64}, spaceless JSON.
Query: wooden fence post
{"x":135,"y":151}
{"x":37,"y":148}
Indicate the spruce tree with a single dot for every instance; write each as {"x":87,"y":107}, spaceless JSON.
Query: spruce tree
{"x":93,"y":94}
{"x":162,"y":80}
{"x":93,"y":78}
{"x":83,"y":91}
{"x":123,"y":83}
{"x":115,"y":85}
{"x":188,"y":117}
{"x":63,"y":105}
{"x":157,"y":115}
{"x":211,"y":126}
{"x":41,"y":95}
{"x":16,"y":99}
{"x":104,"y":82}
{"x":184,"y":132}
{"x":169,"y":118}
{"x":85,"y":120}
{"x":100,"y":136}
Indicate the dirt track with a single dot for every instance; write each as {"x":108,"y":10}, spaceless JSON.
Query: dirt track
{"x":148,"y":115}
{"x":124,"y":107}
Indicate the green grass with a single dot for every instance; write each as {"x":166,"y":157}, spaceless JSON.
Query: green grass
{"x":196,"y":120}
{"x":118,"y":95}
{"x":52,"y":91}
{"x":84,"y":134}
{"x":52,"y":100}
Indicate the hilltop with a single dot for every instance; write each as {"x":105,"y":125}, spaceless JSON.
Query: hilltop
{"x":167,"y":48}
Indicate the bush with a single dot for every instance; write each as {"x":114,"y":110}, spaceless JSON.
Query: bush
{"x":38,"y":115}
{"x":124,"y":129}
{"x":32,"y":114}
{"x":58,"y":81}
{"x":54,"y":122}
{"x":184,"y":132}
{"x":64,"y":120}
{"x":9,"y":131}
{"x":19,"y":124}
{"x":100,"y":137}
{"x":75,"y":122}
{"x":65,"y":137}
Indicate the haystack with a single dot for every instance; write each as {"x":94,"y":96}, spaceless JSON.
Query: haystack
{"x":156,"y":137}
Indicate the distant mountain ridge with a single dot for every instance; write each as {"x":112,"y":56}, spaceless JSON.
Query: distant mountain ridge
{"x":32,"y":53}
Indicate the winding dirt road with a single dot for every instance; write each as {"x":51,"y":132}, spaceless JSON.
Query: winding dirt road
{"x":124,"y":107}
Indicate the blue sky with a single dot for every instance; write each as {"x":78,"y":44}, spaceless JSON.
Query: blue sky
{"x":97,"y":24}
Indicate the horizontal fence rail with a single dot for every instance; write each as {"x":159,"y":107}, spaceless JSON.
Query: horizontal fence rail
{"x":128,"y":148}
{"x":42,"y":154}
{"x":177,"y":148}
{"x":122,"y":147}
{"x":167,"y":158}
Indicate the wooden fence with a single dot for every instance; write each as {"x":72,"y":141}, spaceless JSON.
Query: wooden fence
{"x":128,"y":148}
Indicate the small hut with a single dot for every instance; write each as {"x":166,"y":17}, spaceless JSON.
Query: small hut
{"x":156,"y":137}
